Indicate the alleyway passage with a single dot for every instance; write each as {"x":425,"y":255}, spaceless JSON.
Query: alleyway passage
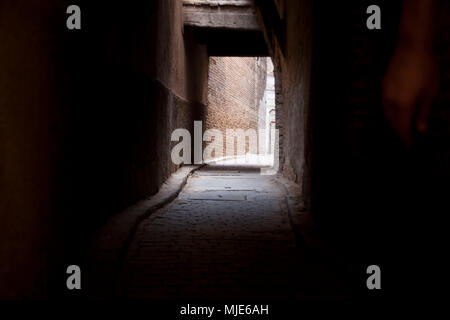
{"x":227,"y":235}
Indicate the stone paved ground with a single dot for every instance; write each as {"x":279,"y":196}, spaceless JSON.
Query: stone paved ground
{"x":227,"y":235}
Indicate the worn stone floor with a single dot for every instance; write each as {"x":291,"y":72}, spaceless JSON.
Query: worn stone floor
{"x":226,"y":236}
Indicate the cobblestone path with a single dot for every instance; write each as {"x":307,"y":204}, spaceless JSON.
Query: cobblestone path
{"x":227,"y":235}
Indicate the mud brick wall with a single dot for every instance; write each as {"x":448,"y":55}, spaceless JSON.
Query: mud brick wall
{"x":235,"y":89}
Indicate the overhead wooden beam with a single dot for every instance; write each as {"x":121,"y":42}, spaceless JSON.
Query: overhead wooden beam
{"x":221,"y":15}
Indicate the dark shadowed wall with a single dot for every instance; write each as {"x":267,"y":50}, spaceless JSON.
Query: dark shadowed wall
{"x":86,"y":118}
{"x":375,"y":200}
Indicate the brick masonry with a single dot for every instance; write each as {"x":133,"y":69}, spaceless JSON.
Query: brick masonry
{"x":235,"y":90}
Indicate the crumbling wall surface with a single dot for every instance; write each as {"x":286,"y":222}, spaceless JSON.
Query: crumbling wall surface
{"x":295,"y":63}
{"x":235,"y":90}
{"x":290,"y":44}
{"x":86,"y":120}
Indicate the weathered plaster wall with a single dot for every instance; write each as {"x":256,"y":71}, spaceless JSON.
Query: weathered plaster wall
{"x":290,"y":45}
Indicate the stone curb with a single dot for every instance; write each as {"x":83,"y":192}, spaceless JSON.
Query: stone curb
{"x":110,"y":243}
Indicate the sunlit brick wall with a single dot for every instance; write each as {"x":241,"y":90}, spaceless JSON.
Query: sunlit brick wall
{"x":235,"y":90}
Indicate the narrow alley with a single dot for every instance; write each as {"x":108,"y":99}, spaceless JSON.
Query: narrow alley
{"x":227,"y":235}
{"x":117,"y":120}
